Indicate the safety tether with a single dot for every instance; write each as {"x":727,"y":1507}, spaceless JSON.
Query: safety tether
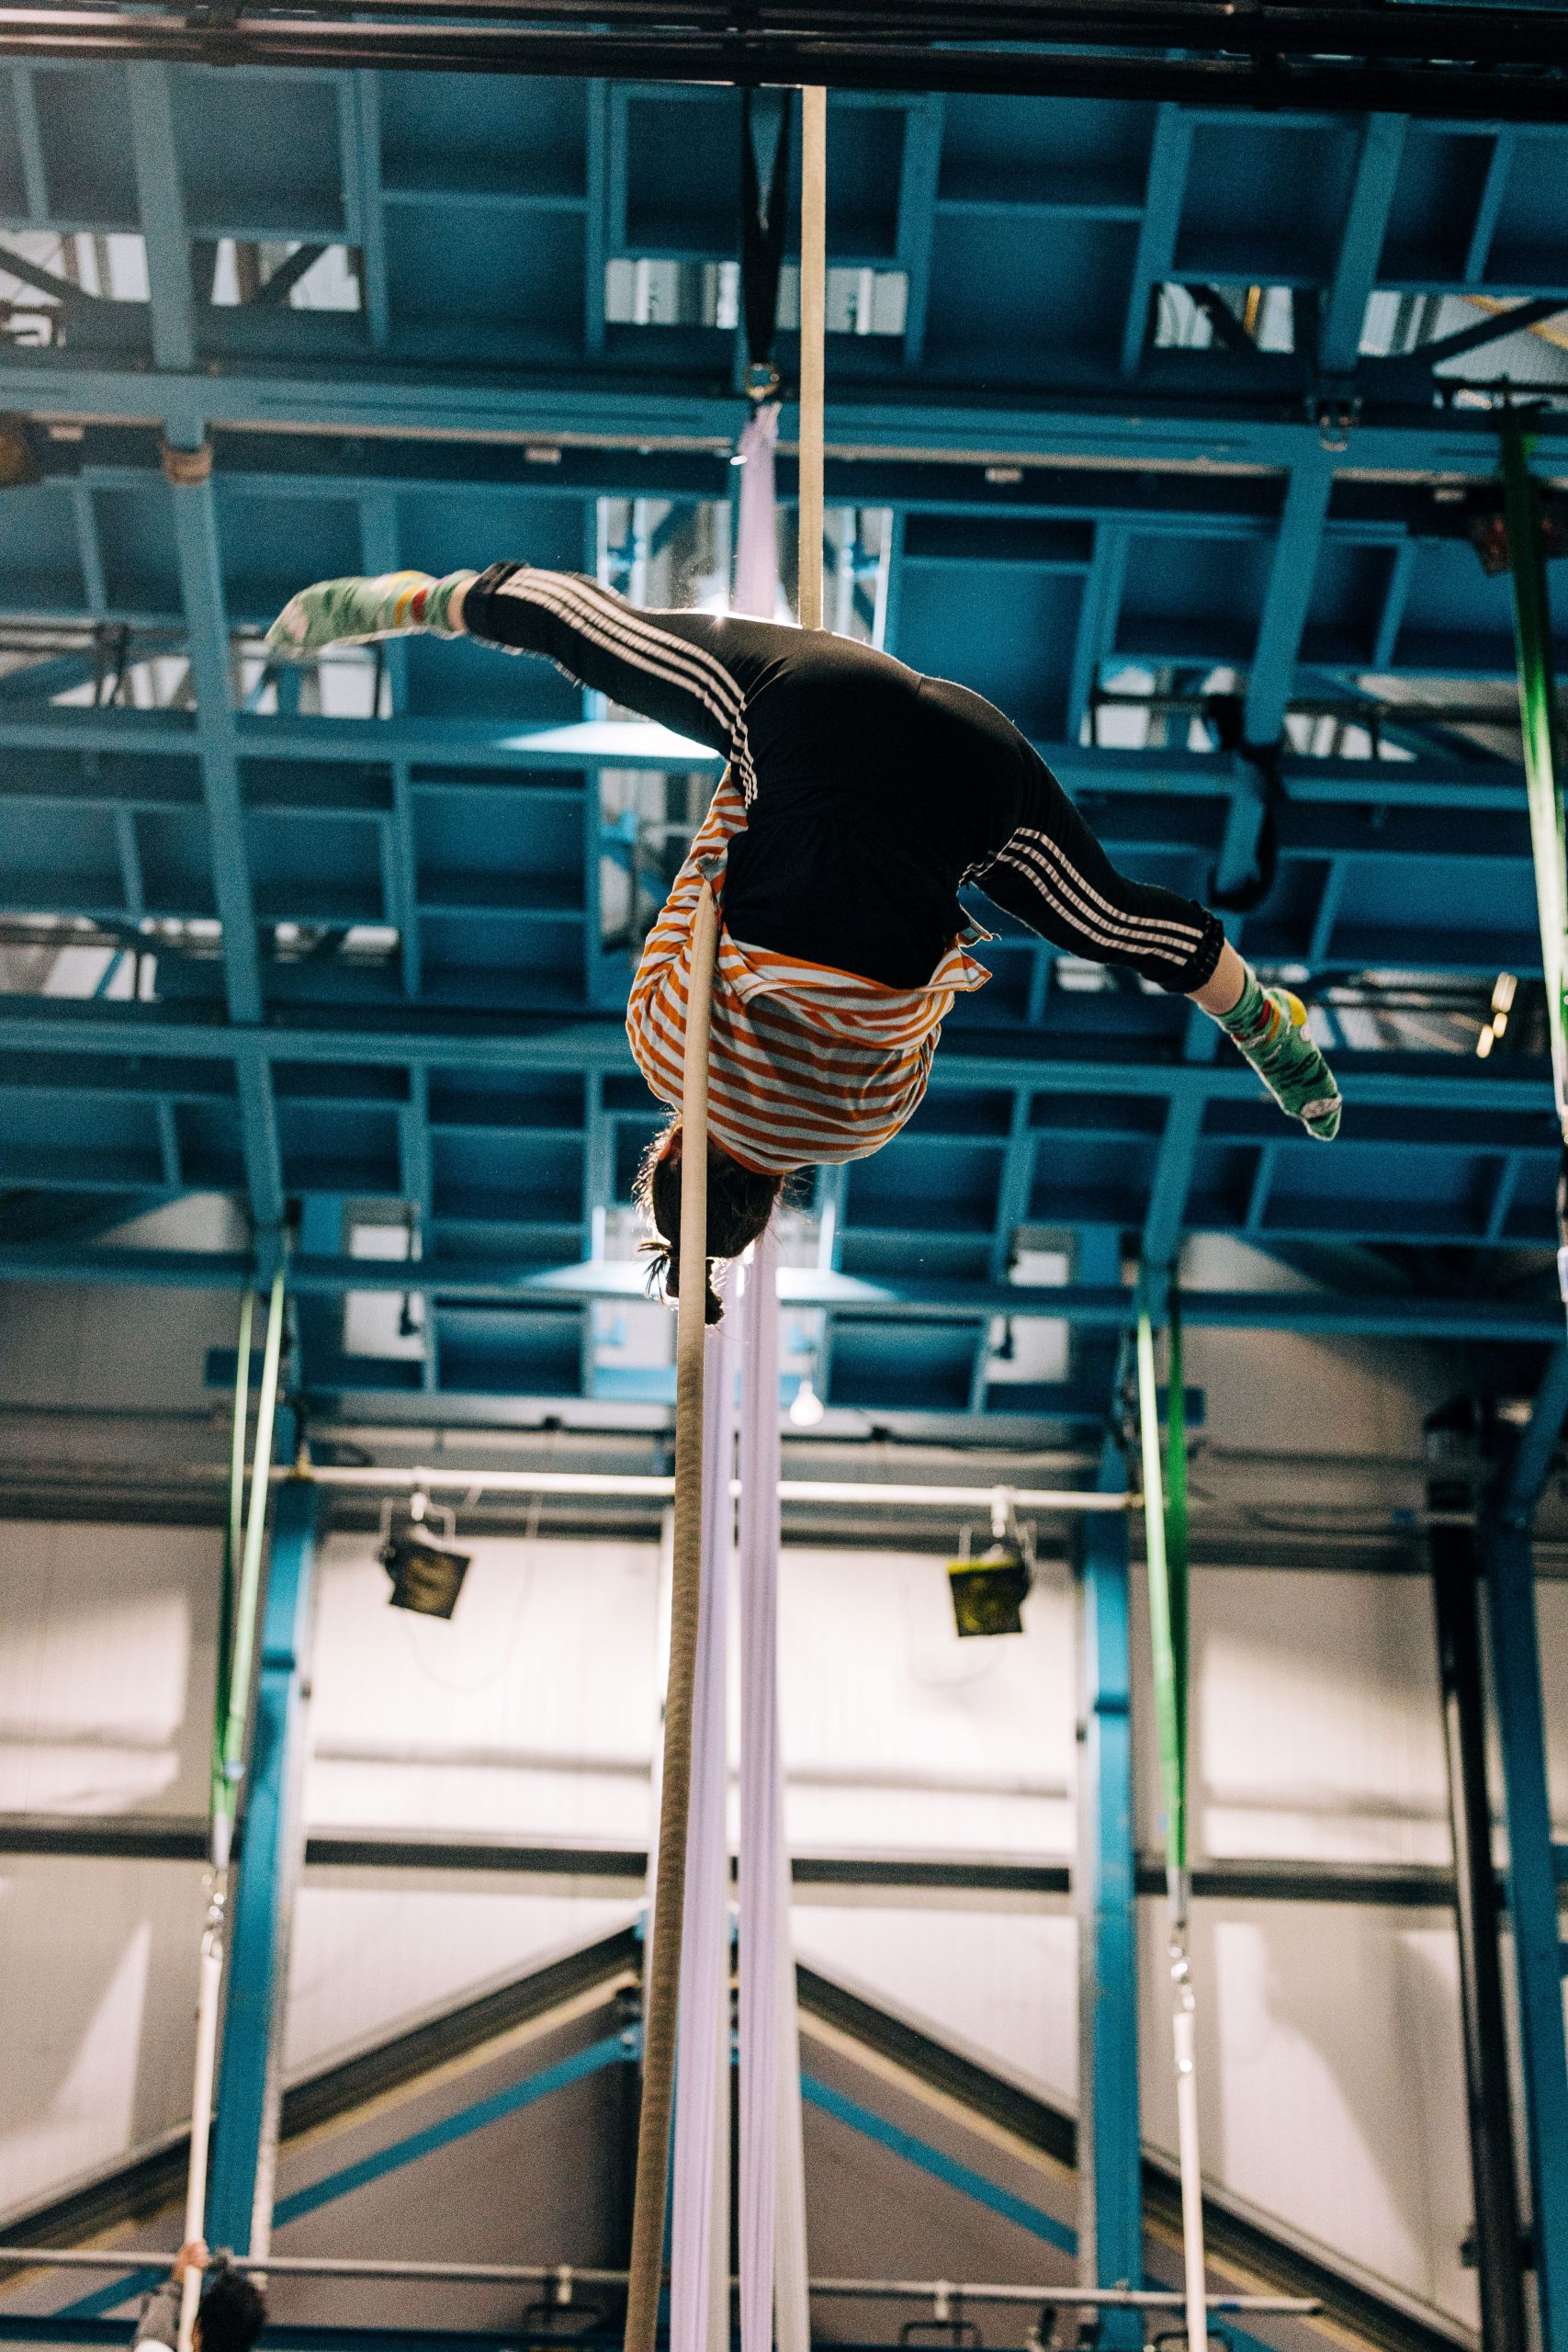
{"x":1538,"y":726}
{"x":237,"y":1614}
{"x":1165,"y":1528}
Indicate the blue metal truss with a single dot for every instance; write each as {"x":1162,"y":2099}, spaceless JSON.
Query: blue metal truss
{"x":1070,"y":498}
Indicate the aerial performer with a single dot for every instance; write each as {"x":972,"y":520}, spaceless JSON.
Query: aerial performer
{"x":857,"y":799}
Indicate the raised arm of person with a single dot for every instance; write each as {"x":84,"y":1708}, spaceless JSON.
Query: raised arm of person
{"x":159,"y":2324}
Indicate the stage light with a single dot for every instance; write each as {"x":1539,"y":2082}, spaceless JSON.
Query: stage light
{"x":426,"y":1577}
{"x":988,"y":1593}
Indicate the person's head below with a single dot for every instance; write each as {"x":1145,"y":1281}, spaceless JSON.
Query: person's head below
{"x":741,"y":1201}
{"x":231,"y":2313}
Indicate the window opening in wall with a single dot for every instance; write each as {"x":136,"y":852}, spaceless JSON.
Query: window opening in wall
{"x":1200,"y":316}
{"x":385,"y":1323}
{"x":52,"y":272}
{"x":342,"y":682}
{"x":1396,"y":324}
{"x":234,"y":273}
{"x":633,"y":1344}
{"x":641,"y":292}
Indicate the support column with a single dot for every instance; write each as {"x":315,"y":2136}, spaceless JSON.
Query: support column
{"x":1532,"y":1864}
{"x":1110,"y":2146}
{"x":272,"y":1851}
{"x":1455,"y":1600}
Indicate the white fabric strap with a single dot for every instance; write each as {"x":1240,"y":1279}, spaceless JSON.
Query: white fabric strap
{"x":756,"y":533}
{"x":772,"y":2187}
{"x":699,"y":2294}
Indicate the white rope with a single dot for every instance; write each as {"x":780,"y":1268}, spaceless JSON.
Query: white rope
{"x":757,"y":524}
{"x":773,"y":2295}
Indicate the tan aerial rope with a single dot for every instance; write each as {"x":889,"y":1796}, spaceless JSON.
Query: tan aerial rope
{"x":813,"y":322}
{"x":663,"y":1982}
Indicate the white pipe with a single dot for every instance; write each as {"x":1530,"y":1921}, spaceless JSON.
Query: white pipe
{"x":560,"y":2276}
{"x":209,"y":1982}
{"x":1192,"y":2259}
{"x":635,"y":1485}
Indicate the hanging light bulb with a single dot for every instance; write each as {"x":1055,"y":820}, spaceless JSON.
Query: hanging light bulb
{"x":807,"y":1408}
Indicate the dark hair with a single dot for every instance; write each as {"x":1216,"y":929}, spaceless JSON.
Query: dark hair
{"x":231,"y":2313}
{"x":741,"y":1201}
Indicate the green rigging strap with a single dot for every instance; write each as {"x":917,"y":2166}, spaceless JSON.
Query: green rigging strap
{"x":1175,"y":1525}
{"x":1170,"y":1707}
{"x":234,"y":1538}
{"x":232,"y":1755}
{"x":1537,"y":721}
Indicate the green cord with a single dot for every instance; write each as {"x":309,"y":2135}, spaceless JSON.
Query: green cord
{"x":1537,"y":721}
{"x":1167,"y":1706}
{"x":232,"y":1762}
{"x":1176,"y":1523}
{"x":233,"y":1536}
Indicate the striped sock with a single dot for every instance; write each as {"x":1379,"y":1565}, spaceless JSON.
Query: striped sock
{"x":357,"y":612}
{"x":1269,"y":1028}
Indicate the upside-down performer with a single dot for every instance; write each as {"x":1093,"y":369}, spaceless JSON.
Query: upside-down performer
{"x":858,"y":797}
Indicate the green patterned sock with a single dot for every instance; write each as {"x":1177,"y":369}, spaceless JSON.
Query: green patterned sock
{"x":1269,"y":1028}
{"x":356,"y":612}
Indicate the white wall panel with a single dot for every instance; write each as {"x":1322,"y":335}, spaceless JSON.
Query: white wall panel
{"x":998,"y":1981}
{"x":97,"y":1987}
{"x":531,"y":1711}
{"x":376,"y":1952}
{"x":1315,"y":1730}
{"x":897,"y":1733}
{"x":1330,"y":2081}
{"x":105,"y":1667}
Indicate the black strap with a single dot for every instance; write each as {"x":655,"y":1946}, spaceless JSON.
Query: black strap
{"x":1225,"y":716}
{"x":761,"y":246}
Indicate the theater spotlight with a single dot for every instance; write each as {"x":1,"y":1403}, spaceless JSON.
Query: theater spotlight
{"x":989,"y":1590}
{"x":426,"y":1577}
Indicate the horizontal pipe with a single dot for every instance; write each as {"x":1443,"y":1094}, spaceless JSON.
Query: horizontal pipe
{"x":565,"y":2279}
{"x":1318,"y":60}
{"x":652,"y":1488}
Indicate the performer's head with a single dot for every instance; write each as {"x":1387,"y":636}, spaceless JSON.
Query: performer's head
{"x":741,"y":1201}
{"x":231,"y":2313}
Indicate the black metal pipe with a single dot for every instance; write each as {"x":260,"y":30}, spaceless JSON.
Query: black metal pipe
{"x":1511,"y":69}
{"x":1456,"y":1609}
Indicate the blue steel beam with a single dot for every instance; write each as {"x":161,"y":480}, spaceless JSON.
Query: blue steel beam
{"x":1164,"y":187}
{"x":1360,"y":243}
{"x":1110,"y":2146}
{"x":271,"y":1855}
{"x":1160,"y":431}
{"x":201,"y":594}
{"x":161,"y":203}
{"x":919,"y":179}
{"x":417,"y":1037}
{"x":1427,"y":782}
{"x":914,"y":1298}
{"x":1531,"y":1865}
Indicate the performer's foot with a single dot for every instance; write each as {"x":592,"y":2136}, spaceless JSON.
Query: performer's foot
{"x":1269,"y":1026}
{"x":357,"y":612}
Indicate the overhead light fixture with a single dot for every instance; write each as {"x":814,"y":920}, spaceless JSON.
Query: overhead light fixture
{"x":807,"y":1408}
{"x":426,"y":1577}
{"x":19,"y":464}
{"x":988,"y":1593}
{"x":989,"y":1590}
